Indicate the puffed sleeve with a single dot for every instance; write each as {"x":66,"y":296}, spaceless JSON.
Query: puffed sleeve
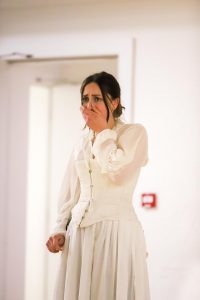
{"x":113,"y":153}
{"x":68,"y":197}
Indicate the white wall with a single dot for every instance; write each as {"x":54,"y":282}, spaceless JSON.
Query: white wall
{"x":4,"y":129}
{"x":166,"y":101}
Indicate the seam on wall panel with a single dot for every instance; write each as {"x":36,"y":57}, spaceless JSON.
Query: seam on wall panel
{"x":5,"y":192}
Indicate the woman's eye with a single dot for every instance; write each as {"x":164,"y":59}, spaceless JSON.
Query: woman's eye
{"x":97,"y":99}
{"x":84,"y":100}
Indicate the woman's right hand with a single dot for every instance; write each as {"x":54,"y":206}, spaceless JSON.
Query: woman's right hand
{"x":55,"y":243}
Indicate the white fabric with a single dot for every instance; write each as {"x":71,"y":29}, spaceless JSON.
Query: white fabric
{"x":105,"y":261}
{"x":68,"y":196}
{"x":104,"y":254}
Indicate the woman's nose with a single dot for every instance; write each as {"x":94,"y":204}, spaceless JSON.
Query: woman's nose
{"x":89,"y":105}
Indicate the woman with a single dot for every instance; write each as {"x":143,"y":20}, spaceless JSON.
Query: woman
{"x":103,"y":249}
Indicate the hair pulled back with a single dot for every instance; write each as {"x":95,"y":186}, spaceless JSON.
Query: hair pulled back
{"x":110,"y":90}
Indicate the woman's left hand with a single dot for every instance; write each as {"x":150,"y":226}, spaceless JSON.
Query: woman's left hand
{"x":94,"y":118}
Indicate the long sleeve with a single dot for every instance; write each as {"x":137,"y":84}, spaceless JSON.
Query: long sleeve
{"x":114,"y":152}
{"x":68,"y":196}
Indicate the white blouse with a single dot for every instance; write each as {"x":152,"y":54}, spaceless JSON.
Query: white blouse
{"x":101,"y":177}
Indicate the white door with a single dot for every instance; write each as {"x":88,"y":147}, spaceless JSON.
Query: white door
{"x":54,"y":126}
{"x":44,"y":123}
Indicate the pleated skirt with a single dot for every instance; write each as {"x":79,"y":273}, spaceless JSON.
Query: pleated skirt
{"x":104,"y":261}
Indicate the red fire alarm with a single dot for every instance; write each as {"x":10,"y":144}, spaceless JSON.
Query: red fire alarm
{"x":149,"y":200}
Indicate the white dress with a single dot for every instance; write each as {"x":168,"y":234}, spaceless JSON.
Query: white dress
{"x":104,"y":256}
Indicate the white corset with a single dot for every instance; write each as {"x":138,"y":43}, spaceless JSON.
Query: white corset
{"x":102,"y":188}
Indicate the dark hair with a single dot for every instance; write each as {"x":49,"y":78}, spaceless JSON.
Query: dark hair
{"x":110,"y":90}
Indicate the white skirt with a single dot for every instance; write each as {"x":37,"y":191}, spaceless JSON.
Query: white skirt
{"x":105,"y":261}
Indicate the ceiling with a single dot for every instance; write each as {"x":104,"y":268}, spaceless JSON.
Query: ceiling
{"x":6,"y":4}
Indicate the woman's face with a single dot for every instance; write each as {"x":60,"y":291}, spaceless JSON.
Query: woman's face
{"x":92,"y":96}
